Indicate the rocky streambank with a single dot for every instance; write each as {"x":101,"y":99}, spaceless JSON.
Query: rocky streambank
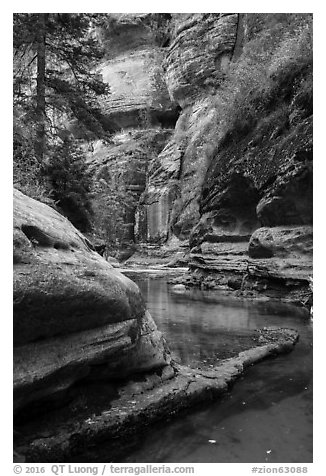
{"x":112,"y":419}
{"x":90,"y":364}
{"x":75,"y":316}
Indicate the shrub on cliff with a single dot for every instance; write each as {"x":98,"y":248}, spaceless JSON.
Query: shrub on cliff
{"x":275,"y":68}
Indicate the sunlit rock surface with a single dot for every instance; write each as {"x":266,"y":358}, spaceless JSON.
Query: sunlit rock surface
{"x":139,"y":108}
{"x":74,"y":314}
{"x":198,"y":185}
{"x":132,"y":69}
{"x":281,"y":253}
{"x":200,"y":51}
{"x":217,"y":195}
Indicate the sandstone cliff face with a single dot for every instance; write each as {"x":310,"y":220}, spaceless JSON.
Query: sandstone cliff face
{"x":200,"y":184}
{"x":138,"y":106}
{"x":217,"y":190}
{"x":268,"y":184}
{"x":125,"y":163}
{"x":200,"y":51}
{"x":133,"y":70}
{"x":74,"y":315}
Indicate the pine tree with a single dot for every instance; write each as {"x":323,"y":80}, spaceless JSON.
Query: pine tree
{"x":40,"y":84}
{"x":53,"y":58}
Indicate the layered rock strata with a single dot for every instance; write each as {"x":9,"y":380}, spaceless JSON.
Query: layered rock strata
{"x":212,"y":189}
{"x":217,"y":193}
{"x":138,"y":106}
{"x":263,"y":184}
{"x":132,"y":69}
{"x":124,"y":163}
{"x":200,"y":51}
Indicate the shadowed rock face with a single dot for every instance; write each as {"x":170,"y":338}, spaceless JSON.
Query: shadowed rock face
{"x":127,"y":158}
{"x":144,"y":402}
{"x":74,"y":314}
{"x":275,"y":191}
{"x":288,"y":201}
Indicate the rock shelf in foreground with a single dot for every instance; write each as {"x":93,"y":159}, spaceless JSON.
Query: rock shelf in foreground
{"x":141,"y":403}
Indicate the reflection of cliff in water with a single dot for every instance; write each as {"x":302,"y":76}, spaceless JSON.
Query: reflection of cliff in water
{"x":204,"y":325}
{"x":268,"y":415}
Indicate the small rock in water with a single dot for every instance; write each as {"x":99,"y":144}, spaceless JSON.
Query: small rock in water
{"x":179,"y":287}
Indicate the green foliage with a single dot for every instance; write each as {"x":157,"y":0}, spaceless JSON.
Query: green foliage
{"x":111,"y":203}
{"x":275,"y":69}
{"x":71,"y":91}
{"x":72,"y":87}
{"x":118,"y":185}
{"x":71,"y":182}
{"x":28,"y":173}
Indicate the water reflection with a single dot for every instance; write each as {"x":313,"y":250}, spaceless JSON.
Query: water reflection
{"x":268,"y":415}
{"x":199,"y":325}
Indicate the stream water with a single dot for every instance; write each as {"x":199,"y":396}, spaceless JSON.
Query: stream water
{"x":267,"y":417}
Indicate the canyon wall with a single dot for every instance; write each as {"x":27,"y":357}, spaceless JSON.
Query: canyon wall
{"x":227,"y":101}
{"x":138,"y":107}
{"x":217,"y":189}
{"x":201,"y":48}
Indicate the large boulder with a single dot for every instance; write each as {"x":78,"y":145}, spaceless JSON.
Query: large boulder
{"x":281,"y":252}
{"x":74,"y":314}
{"x":282,"y":242}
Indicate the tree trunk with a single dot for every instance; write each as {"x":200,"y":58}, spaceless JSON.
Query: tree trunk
{"x":40,"y":88}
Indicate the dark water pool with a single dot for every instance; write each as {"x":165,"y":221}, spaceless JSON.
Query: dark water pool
{"x":268,"y":415}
